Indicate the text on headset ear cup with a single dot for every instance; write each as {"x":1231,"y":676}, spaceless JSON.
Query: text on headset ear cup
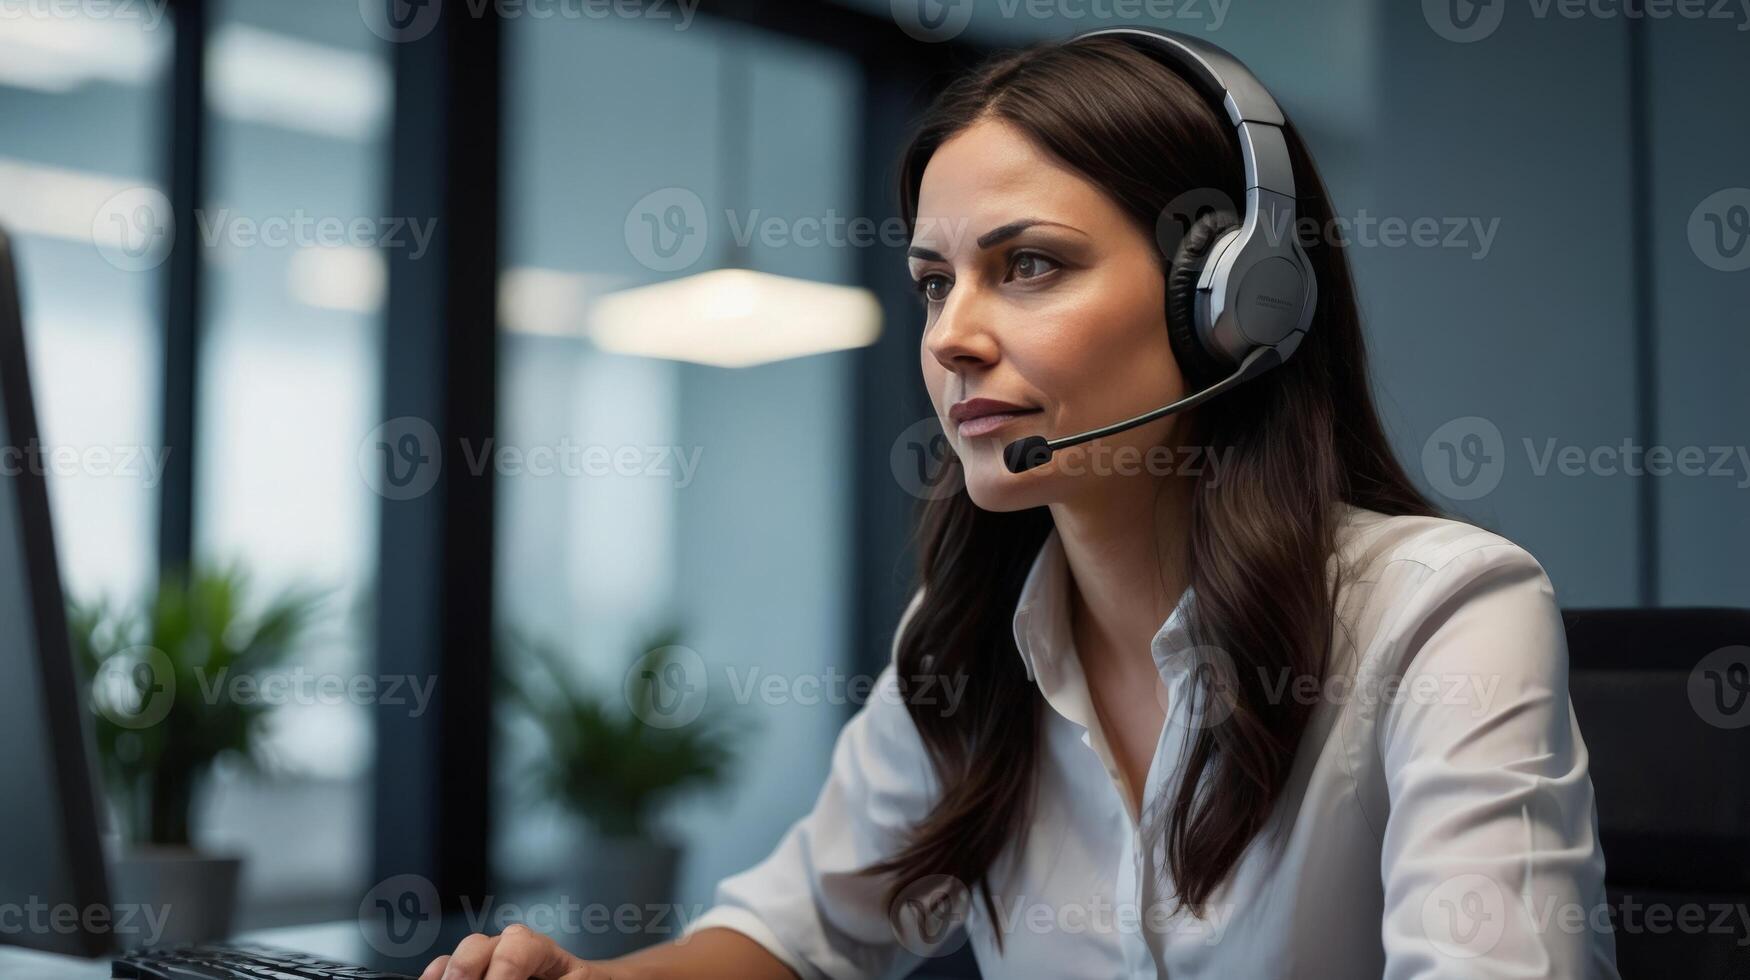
{"x":1196,"y":363}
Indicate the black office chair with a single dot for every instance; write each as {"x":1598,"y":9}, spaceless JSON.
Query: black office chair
{"x":1663,"y":699}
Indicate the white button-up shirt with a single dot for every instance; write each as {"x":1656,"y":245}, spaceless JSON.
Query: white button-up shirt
{"x":1438,"y":821}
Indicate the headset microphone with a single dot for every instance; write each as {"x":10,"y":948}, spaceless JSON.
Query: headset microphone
{"x":1240,"y":291}
{"x":1024,"y":454}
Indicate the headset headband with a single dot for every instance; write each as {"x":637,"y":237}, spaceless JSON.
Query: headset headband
{"x":1250,"y":107}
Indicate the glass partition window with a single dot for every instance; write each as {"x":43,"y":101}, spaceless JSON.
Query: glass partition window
{"x":713,"y":500}
{"x":80,"y":191}
{"x":291,"y":232}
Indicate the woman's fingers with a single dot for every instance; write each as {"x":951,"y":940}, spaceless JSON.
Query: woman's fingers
{"x":518,"y":953}
{"x":522,"y":953}
{"x":473,"y":954}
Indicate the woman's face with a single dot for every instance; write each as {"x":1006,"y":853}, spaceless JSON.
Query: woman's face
{"x":1042,"y":295}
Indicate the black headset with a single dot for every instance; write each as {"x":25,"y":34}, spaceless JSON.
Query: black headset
{"x":1240,"y":290}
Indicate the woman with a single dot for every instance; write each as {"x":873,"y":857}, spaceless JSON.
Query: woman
{"x":1348,"y":750}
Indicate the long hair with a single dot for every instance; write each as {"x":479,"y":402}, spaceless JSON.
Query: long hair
{"x":1299,"y":443}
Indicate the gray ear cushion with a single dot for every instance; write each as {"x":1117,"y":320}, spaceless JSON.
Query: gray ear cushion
{"x":1199,"y":366}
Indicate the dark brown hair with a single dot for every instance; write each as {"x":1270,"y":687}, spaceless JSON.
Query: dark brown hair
{"x":1301,"y":442}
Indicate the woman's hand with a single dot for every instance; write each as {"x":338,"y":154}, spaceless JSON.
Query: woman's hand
{"x":518,"y":953}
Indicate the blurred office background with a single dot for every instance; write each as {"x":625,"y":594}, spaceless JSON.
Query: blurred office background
{"x":1580,"y":304}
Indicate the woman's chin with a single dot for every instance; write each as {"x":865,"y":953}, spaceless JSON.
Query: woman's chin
{"x":992,"y":487}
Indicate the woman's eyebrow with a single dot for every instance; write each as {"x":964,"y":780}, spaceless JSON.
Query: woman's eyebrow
{"x":995,"y":236}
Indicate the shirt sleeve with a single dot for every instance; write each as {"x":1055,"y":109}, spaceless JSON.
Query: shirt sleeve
{"x":1490,"y":859}
{"x":806,"y":903}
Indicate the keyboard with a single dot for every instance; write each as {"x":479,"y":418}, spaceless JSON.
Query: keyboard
{"x":240,"y":962}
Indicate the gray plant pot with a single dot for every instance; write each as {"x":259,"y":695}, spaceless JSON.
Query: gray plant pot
{"x":626,"y":887}
{"x":176,"y":894}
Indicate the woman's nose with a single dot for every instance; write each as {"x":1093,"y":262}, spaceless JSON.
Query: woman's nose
{"x":962,"y":338}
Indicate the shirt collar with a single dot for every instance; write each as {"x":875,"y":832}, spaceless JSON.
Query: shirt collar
{"x":1042,"y":627}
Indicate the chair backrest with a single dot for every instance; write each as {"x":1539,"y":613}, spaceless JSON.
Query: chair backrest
{"x":1663,"y":700}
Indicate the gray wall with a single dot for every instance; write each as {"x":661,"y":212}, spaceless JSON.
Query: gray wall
{"x":1700,"y":145}
{"x":1535,"y":337}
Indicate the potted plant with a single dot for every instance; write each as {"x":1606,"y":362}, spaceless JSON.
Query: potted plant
{"x":615,"y":759}
{"x":172,"y":685}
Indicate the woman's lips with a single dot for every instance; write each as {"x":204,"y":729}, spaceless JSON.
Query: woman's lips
{"x":986,"y":424}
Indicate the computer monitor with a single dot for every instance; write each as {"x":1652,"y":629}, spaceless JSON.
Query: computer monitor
{"x":51,"y":863}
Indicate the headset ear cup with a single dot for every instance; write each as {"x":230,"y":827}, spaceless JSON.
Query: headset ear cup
{"x":1200,"y":367}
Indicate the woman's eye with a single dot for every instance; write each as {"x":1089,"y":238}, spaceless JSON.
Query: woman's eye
{"x":1031,"y":265}
{"x":933,"y":288}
